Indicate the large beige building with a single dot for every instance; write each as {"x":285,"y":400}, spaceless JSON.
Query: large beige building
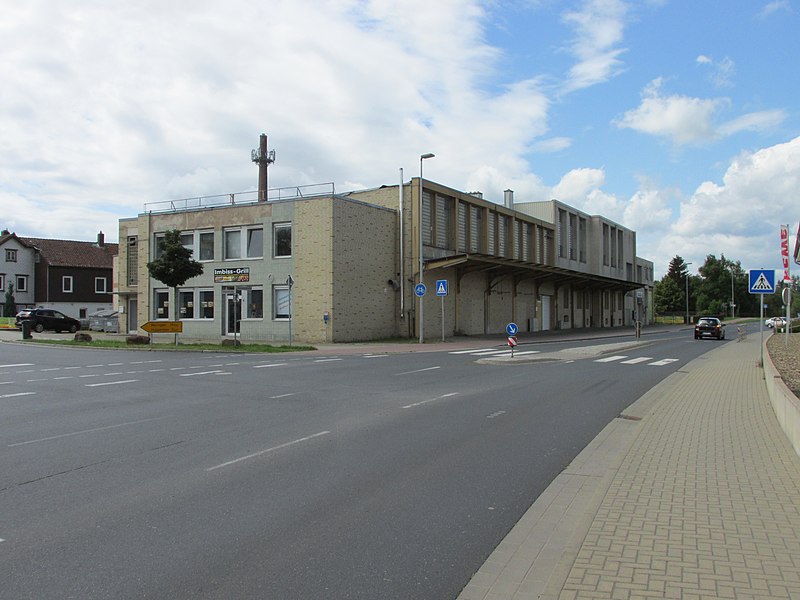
{"x":311,"y":265}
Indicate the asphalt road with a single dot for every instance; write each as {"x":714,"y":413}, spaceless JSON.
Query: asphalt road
{"x":184,"y":475}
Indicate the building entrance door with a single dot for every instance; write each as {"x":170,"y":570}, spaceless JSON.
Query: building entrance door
{"x":233,"y":313}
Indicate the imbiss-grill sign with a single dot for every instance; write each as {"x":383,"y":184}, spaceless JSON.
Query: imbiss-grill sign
{"x":240,"y":275}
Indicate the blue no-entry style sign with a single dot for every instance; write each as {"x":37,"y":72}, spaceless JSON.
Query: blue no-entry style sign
{"x":420,"y":289}
{"x":441,"y":287}
{"x":511,"y":329}
{"x":762,"y":281}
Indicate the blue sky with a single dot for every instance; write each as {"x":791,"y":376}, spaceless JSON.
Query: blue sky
{"x":677,"y":119}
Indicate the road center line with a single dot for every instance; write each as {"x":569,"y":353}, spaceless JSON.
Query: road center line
{"x":17,"y":394}
{"x":63,"y":435}
{"x":431,"y":400}
{"x":327,"y":360}
{"x":283,"y":396}
{"x":419,"y":371}
{"x":216,"y":372}
{"x":259,"y":453}
{"x":111,"y":383}
{"x":269,"y":365}
{"x":16,"y":365}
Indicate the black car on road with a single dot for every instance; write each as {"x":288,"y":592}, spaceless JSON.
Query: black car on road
{"x":709,"y":327}
{"x":47,"y":318}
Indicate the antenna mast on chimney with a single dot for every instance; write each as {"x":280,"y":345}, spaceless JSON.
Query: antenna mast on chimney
{"x":263,"y":158}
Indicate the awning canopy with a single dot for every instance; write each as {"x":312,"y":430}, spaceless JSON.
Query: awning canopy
{"x":523,"y":271}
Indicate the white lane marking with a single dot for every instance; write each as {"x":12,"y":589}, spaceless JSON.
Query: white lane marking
{"x":17,"y":394}
{"x":496,"y":414}
{"x":327,"y":360}
{"x":283,"y":395}
{"x":85,"y":376}
{"x":217,"y":365}
{"x":610,"y":359}
{"x":1,"y":540}
{"x":259,"y":453}
{"x":16,"y":365}
{"x":63,"y":377}
{"x":114,"y":364}
{"x":419,"y":371}
{"x":153,"y":361}
{"x":431,"y":400}
{"x":215,"y":372}
{"x":63,"y":435}
{"x":34,"y":380}
{"x":27,"y":371}
{"x":269,"y":365}
{"x":661,"y":363}
{"x":94,"y":366}
{"x":68,"y":368}
{"x":231,"y":364}
{"x":51,"y":369}
{"x":177,"y":368}
{"x":155,"y":370}
{"x":110,"y":374}
{"x":136,"y":362}
{"x":490,"y":352}
{"x":470,"y":351}
{"x":111,"y":383}
{"x":376,"y":356}
{"x":635,"y":361}
{"x":5,"y":382}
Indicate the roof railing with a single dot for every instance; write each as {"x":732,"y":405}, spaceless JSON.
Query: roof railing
{"x":240,"y":198}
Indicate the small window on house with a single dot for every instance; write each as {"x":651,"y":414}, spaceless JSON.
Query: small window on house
{"x":66,"y":284}
{"x":161,"y":304}
{"x":233,"y":244}
{"x":186,"y":304}
{"x":206,"y":245}
{"x":100,"y":285}
{"x":282,"y":240}
{"x":11,"y":255}
{"x":254,"y":307}
{"x":206,"y":310}
{"x":2,"y":282}
{"x":281,"y":309}
{"x":22,"y":283}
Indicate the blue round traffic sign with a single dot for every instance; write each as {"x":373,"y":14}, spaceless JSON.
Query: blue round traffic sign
{"x":511,"y":329}
{"x":420,"y":289}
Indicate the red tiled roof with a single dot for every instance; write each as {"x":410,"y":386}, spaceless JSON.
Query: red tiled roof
{"x":69,"y":253}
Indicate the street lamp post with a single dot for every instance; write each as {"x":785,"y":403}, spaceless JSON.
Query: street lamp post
{"x":421,"y":261}
{"x":687,"y":292}
{"x":733,"y":300}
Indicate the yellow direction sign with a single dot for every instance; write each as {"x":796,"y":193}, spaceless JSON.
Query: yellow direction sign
{"x":163,"y":327}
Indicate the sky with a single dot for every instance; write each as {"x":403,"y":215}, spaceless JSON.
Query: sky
{"x":677,"y":119}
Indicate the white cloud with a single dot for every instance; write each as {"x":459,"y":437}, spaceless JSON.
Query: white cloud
{"x":687,"y":120}
{"x":724,"y":70}
{"x":599,"y":26}
{"x":773,"y":7}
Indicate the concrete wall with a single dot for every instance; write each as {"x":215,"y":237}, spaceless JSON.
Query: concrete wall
{"x":785,"y":404}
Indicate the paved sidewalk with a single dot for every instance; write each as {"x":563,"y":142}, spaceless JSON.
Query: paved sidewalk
{"x":694,"y":492}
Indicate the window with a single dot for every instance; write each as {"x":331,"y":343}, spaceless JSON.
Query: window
{"x":161,"y":304}
{"x":245,"y":242}
{"x":2,"y":282}
{"x":11,"y":255}
{"x":281,"y":309}
{"x":206,"y":304}
{"x":22,"y":283}
{"x":186,"y":304}
{"x":133,"y":260}
{"x":254,"y":303}
{"x":282,"y":240}
{"x":66,"y":284}
{"x":157,"y":239}
{"x":206,"y":242}
{"x":100,"y":285}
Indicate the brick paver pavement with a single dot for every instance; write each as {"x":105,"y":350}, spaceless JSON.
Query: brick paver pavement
{"x":706,"y":503}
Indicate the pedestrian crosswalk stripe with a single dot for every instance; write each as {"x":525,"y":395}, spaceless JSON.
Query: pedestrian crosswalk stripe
{"x":638,"y":360}
{"x":471,"y":350}
{"x":661,"y":363}
{"x":610,"y":359}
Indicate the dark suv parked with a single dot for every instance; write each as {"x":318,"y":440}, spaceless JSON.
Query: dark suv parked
{"x":47,"y":318}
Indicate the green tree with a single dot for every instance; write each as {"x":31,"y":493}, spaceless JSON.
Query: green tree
{"x":668,"y":296}
{"x":175,"y":265}
{"x":10,"y":304}
{"x":677,"y":271}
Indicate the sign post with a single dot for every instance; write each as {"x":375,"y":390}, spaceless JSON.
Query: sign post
{"x":441,"y":291}
{"x":419,"y":291}
{"x":762,"y":281}
{"x":511,"y":330}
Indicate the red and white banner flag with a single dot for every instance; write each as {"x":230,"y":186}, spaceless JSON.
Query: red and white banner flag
{"x":785,"y":252}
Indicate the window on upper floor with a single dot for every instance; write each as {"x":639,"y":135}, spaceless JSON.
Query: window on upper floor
{"x":244,"y":242}
{"x":11,"y":255}
{"x":133,"y":260}
{"x":100,"y":285}
{"x":282,"y":240}
{"x":66,"y":284}
{"x":22,"y":283}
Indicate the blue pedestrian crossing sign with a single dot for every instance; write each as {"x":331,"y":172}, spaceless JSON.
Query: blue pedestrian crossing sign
{"x":441,"y":287}
{"x":762,"y":281}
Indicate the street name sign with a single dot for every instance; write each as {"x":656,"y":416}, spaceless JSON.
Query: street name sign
{"x":163,"y":327}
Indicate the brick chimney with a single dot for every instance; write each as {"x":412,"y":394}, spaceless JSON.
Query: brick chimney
{"x":101,"y":240}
